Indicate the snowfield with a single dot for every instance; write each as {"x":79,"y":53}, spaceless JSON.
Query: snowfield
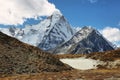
{"x":81,"y":63}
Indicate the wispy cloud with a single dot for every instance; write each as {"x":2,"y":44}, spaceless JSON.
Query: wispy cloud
{"x":92,"y":1}
{"x":118,"y":23}
{"x":112,"y":34}
{"x":16,"y":11}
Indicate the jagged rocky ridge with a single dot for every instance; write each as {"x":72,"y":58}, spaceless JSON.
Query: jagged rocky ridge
{"x":20,"y":58}
{"x":86,"y":40}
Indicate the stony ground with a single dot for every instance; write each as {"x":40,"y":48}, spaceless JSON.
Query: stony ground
{"x":103,"y":74}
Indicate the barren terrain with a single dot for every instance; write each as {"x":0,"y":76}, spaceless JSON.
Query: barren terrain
{"x":101,"y":74}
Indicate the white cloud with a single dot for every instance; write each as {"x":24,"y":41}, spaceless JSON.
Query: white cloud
{"x":112,"y":34}
{"x":16,"y":11}
{"x":92,"y":1}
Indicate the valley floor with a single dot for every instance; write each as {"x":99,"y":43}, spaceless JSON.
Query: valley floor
{"x":71,"y":75}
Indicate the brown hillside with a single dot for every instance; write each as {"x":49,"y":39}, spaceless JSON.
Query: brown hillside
{"x":106,"y":56}
{"x":19,"y":58}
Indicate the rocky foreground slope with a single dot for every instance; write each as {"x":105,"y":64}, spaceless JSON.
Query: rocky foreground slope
{"x":19,"y":58}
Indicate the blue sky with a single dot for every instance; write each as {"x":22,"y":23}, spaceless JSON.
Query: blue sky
{"x":103,"y":15}
{"x":97,"y":13}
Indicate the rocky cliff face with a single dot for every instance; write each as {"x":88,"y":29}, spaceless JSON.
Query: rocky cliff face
{"x":86,"y":40}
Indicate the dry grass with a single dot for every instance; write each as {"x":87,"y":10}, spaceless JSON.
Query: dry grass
{"x":105,"y":56}
{"x":69,"y":75}
{"x":69,"y":55}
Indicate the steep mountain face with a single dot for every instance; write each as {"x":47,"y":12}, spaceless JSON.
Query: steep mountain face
{"x":86,"y":40}
{"x":19,"y":58}
{"x":47,"y":34}
{"x":60,"y":31}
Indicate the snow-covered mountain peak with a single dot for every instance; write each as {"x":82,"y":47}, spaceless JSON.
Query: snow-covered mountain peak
{"x":82,"y":33}
{"x":46,"y":23}
{"x":47,"y":34}
{"x":55,"y":17}
{"x":86,"y":40}
{"x":59,"y":31}
{"x":57,"y":13}
{"x":87,"y":29}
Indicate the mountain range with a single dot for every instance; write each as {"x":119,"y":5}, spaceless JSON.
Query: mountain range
{"x":55,"y":35}
{"x":87,"y":40}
